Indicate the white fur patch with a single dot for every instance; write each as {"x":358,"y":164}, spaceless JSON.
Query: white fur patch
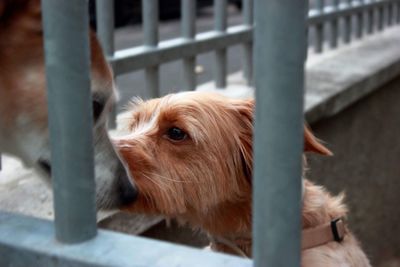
{"x":142,"y":128}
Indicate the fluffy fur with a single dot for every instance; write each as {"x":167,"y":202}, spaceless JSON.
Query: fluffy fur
{"x":205,"y":178}
{"x":23,"y":99}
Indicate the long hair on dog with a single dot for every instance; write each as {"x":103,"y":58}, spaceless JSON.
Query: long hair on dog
{"x":191,"y":157}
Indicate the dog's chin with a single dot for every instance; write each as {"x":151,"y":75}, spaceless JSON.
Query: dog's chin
{"x":108,"y":205}
{"x":111,"y":203}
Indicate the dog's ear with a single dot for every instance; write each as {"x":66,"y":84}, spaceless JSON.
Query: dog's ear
{"x":245,"y":112}
{"x":312,"y":144}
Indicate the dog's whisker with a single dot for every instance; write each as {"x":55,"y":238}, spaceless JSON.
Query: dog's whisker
{"x":170,"y":179}
{"x":161,"y":186}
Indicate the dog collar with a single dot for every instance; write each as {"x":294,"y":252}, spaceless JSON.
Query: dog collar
{"x":320,"y":235}
{"x":311,"y":237}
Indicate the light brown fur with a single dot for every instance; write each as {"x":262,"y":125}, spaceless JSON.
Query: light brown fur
{"x":23,"y":97}
{"x":205,"y":178}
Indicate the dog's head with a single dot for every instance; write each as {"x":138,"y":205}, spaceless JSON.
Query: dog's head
{"x":23,"y":109}
{"x":191,"y":153}
{"x":188,"y":152}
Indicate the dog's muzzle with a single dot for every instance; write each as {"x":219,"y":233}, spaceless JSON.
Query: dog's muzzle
{"x":126,"y":190}
{"x":45,"y":166}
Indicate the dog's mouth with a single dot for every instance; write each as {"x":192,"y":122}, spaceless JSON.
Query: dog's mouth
{"x":45,"y":166}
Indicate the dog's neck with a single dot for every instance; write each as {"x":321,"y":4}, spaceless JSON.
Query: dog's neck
{"x":231,"y":232}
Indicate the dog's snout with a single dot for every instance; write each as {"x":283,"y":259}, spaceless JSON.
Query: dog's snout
{"x":127,"y":190}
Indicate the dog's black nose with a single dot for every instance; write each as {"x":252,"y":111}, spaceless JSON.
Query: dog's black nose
{"x":127,"y":190}
{"x":45,"y":165}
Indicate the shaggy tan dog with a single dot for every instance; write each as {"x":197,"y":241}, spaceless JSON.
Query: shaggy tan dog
{"x":191,"y":157}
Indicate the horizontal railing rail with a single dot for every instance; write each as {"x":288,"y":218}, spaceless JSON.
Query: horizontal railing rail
{"x":29,"y":242}
{"x":137,"y":58}
{"x":153,"y":53}
{"x":331,"y":12}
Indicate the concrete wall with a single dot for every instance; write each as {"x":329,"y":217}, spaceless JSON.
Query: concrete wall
{"x":365,"y":139}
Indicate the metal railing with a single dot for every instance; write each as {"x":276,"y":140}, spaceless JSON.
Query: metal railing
{"x":280,"y":41}
{"x":153,"y":53}
{"x":358,"y":17}
{"x":73,"y":239}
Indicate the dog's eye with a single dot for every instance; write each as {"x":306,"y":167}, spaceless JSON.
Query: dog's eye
{"x":176,"y":134}
{"x":97,"y":109}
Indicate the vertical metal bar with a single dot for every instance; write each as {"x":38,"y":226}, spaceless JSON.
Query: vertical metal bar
{"x":380,"y":18}
{"x":394,"y":13}
{"x":105,"y":25}
{"x":279,"y":42}
{"x":359,"y":20}
{"x":248,"y":47}
{"x":150,"y":24}
{"x":70,"y":118}
{"x":220,"y":13}
{"x":319,"y":29}
{"x":188,"y":8}
{"x":333,"y":40}
{"x":347,"y":23}
{"x":398,"y":13}
{"x":390,"y":13}
{"x":370,"y":19}
{"x":384,"y":15}
{"x":105,"y":32}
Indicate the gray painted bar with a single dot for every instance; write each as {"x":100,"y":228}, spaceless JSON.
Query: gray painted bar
{"x":398,"y":13}
{"x":70,"y":119}
{"x":359,"y":20}
{"x":390,"y":11}
{"x":105,"y":33}
{"x":279,"y":42}
{"x":370,"y":19}
{"x":319,"y":28}
{"x":105,"y":25}
{"x":347,"y":22}
{"x":188,"y":25}
{"x":248,"y":46}
{"x":380,"y":18}
{"x":333,"y":40}
{"x":220,"y":13}
{"x":150,"y":26}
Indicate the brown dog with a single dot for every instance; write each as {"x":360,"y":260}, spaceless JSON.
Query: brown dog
{"x":191,"y":157}
{"x":23,"y":101}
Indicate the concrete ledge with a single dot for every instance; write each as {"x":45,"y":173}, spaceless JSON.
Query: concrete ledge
{"x":340,"y":78}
